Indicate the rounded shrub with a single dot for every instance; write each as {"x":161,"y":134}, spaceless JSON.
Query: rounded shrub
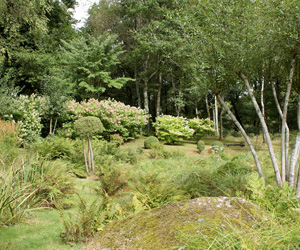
{"x":200,"y":146}
{"x":150,"y":142}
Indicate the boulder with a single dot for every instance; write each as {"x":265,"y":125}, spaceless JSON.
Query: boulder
{"x":162,"y":227}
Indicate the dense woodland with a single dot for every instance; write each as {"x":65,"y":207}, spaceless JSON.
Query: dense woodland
{"x":139,"y":65}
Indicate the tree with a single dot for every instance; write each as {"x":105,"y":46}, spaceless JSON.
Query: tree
{"x":86,"y":127}
{"x":89,"y":65}
{"x":236,"y":40}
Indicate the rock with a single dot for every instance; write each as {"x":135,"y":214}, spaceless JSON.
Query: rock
{"x":161,"y":228}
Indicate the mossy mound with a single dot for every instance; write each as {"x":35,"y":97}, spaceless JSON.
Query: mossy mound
{"x":161,"y":228}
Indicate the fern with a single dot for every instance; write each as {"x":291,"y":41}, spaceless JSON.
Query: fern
{"x":256,"y":185}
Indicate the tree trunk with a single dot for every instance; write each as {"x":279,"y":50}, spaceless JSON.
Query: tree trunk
{"x":262,"y":99}
{"x":283,"y":123}
{"x":159,"y":94}
{"x":287,"y":130}
{"x":137,"y":86}
{"x":85,"y":160}
{"x":295,"y":154}
{"x":236,"y":122}
{"x":265,"y":130}
{"x":55,"y":123}
{"x":196,"y":110}
{"x":50,"y":130}
{"x":91,"y":155}
{"x":216,"y":117}
{"x":207,"y":107}
{"x":221,"y":124}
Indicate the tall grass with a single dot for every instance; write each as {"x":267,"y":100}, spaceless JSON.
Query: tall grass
{"x":15,"y":196}
{"x":278,"y":228}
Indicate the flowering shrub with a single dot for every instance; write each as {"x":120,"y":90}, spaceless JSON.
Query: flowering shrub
{"x":116,"y":117}
{"x":201,"y":126}
{"x":217,"y":147}
{"x":172,"y":129}
{"x":28,"y":115}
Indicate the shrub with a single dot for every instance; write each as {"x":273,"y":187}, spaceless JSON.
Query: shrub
{"x":116,"y":117}
{"x":201,"y":126}
{"x":200,"y":146}
{"x":28,"y":114}
{"x":86,"y":127}
{"x":53,"y":148}
{"x":172,"y":129}
{"x":217,"y":147}
{"x":150,"y":142}
{"x":116,"y":138}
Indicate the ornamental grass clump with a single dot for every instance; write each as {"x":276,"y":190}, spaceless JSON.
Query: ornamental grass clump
{"x":86,"y":127}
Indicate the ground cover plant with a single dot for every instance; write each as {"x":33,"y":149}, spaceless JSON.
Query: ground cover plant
{"x":128,"y":180}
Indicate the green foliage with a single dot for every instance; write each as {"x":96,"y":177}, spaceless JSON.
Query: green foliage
{"x":89,"y":64}
{"x":88,"y":126}
{"x":55,"y":147}
{"x":217,"y":147}
{"x":116,"y":138}
{"x":202,"y":126}
{"x":200,"y":146}
{"x":158,"y":152}
{"x":172,"y":129}
{"x":150,"y":142}
{"x":29,"y":110}
{"x":85,"y":223}
{"x":116,"y":117}
{"x":16,"y":198}
{"x":9,"y":142}
{"x":7,"y":96}
{"x":281,"y":201}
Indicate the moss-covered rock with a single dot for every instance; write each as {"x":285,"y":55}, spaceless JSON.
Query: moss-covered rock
{"x":161,"y":228}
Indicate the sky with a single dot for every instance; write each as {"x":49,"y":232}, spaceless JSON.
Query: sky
{"x":81,"y":11}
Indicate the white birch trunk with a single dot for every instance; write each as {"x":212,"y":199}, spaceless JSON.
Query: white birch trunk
{"x":216,"y":116}
{"x":284,"y":146}
{"x":236,"y":122}
{"x":295,"y":155}
{"x":262,"y":99}
{"x":85,"y":159}
{"x":265,"y":130}
{"x":92,"y":156}
{"x":287,"y":130}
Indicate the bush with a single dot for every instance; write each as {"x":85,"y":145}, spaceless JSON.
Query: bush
{"x":200,"y":146}
{"x":202,"y":126}
{"x":116,"y":138}
{"x":88,"y":126}
{"x":172,"y":129}
{"x":116,"y":117}
{"x":217,"y":147}
{"x":53,"y":148}
{"x":150,"y":142}
{"x":28,"y":114}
